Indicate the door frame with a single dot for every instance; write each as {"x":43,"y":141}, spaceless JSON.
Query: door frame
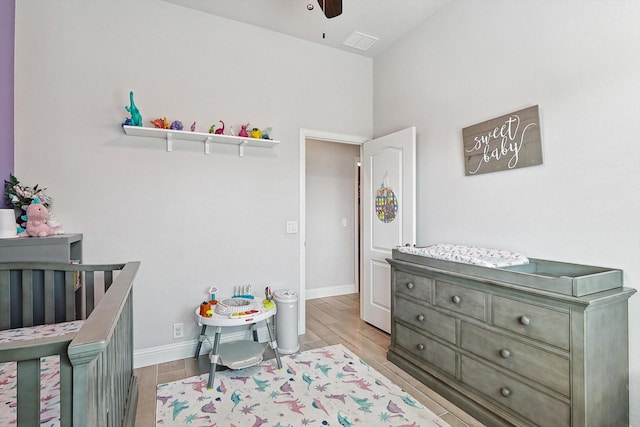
{"x":321,"y":136}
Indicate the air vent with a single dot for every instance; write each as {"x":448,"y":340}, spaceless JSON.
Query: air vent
{"x":360,"y":41}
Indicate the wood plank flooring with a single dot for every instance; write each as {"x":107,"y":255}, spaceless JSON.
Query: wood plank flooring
{"x":333,"y":320}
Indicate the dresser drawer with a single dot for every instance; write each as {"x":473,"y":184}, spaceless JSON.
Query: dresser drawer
{"x":538,"y":365}
{"x":522,"y":399}
{"x":461,"y":300}
{"x":544,"y":324}
{"x":414,"y":286}
{"x":433,"y":352}
{"x":427,"y":319}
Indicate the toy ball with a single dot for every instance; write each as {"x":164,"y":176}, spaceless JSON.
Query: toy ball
{"x":177,"y":125}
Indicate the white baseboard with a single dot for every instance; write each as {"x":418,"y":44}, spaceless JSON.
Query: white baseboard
{"x":331,"y":291}
{"x":186,"y":349}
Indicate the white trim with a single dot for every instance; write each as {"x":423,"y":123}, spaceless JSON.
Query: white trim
{"x":321,"y":136}
{"x":331,"y":291}
{"x":356,"y":220}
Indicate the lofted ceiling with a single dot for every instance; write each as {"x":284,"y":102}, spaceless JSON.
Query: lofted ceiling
{"x":386,"y":20}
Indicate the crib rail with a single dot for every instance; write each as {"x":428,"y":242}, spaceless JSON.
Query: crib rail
{"x":105,"y":391}
{"x":36,"y":293}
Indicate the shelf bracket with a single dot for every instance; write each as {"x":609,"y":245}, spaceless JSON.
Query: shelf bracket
{"x":241,"y":148}
{"x":206,"y":144}
{"x":169,"y":142}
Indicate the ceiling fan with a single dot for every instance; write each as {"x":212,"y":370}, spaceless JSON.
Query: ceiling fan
{"x":331,"y":8}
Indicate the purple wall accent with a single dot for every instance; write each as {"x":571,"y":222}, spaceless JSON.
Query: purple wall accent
{"x":7,"y":39}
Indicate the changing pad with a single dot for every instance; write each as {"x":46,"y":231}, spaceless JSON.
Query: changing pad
{"x":494,"y":258}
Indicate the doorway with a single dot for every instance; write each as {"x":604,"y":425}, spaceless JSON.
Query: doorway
{"x":339,"y":222}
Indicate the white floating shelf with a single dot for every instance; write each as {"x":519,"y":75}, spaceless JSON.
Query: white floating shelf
{"x":170,"y":135}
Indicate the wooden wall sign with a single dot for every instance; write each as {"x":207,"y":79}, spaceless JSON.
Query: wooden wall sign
{"x":507,"y":142}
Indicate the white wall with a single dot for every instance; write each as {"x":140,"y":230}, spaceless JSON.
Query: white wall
{"x":580,"y":62}
{"x":330,"y":198}
{"x":193,"y":220}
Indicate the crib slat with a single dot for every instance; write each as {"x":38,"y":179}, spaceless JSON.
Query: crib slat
{"x":49,"y":297}
{"x":5,"y":299}
{"x":90,"y":293}
{"x":28,"y":381}
{"x":66,"y":384}
{"x":108,"y":279}
{"x":27,"y":298}
{"x":69,"y":296}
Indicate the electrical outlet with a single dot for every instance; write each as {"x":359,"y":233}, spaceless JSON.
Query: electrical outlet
{"x":178,"y":330}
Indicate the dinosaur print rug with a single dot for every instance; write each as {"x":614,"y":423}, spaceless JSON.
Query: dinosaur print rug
{"x":326,"y":387}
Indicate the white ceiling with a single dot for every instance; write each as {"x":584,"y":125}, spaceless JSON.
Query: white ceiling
{"x":388,"y":20}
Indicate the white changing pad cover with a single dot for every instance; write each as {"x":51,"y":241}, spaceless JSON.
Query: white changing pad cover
{"x":494,"y":258}
{"x":49,"y":374}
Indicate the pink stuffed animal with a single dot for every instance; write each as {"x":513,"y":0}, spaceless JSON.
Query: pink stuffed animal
{"x":37,"y":226}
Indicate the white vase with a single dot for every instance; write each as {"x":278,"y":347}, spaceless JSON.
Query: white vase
{"x":8,"y":226}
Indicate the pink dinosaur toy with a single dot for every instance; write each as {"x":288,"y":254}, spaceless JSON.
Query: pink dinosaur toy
{"x":37,"y":226}
{"x":243,"y":131}
{"x":220,"y":131}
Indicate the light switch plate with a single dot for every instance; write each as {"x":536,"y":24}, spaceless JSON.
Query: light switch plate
{"x":292,"y":227}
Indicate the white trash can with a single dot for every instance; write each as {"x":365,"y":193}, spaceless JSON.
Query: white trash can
{"x":286,"y":321}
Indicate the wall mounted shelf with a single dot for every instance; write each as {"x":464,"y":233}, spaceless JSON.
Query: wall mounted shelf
{"x":206,"y":138}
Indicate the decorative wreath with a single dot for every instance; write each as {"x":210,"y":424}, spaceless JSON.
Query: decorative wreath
{"x":386,"y":204}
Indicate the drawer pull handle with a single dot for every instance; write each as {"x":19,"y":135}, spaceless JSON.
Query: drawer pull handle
{"x":420,"y":347}
{"x":410,"y":285}
{"x":420,"y":317}
{"x":456,"y":299}
{"x":524,"y":320}
{"x":505,"y":354}
{"x":505,"y":392}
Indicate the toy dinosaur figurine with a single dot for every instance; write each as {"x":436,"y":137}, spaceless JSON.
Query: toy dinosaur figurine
{"x":220,"y":131}
{"x":161,"y":123}
{"x":243,"y":131}
{"x":136,"y":117}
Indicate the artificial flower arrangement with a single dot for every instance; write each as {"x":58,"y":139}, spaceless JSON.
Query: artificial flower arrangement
{"x":21,"y":196}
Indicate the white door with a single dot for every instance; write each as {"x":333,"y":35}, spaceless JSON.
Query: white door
{"x":388,"y":213}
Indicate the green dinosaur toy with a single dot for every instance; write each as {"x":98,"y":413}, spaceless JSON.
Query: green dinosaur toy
{"x":136,"y":118}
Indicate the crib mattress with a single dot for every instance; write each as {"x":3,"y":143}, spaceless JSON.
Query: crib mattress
{"x":49,"y":374}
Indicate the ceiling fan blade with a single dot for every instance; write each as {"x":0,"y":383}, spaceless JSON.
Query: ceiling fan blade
{"x":331,"y":8}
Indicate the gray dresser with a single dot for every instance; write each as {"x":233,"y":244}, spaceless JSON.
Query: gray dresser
{"x":55,"y":248}
{"x":539,"y":344}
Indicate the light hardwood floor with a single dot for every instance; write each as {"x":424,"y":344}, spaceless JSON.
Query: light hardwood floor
{"x":334,"y":320}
